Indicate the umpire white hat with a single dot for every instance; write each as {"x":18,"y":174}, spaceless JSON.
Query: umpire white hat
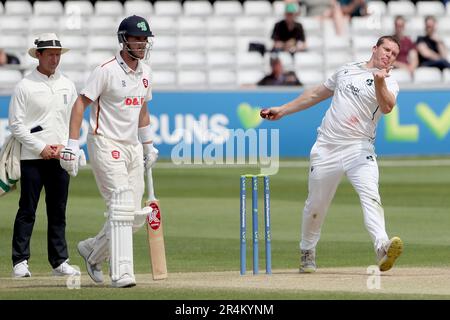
{"x":46,"y":41}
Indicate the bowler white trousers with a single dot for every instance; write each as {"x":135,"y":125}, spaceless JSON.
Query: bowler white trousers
{"x":115,"y":165}
{"x":328,"y":163}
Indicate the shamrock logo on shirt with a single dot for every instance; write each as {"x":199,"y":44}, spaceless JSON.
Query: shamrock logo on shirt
{"x":369,"y":82}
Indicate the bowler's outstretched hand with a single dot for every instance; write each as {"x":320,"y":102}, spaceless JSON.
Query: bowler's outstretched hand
{"x":271,"y":113}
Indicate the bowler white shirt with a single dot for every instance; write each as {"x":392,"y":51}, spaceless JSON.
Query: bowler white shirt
{"x":118,"y":94}
{"x":354,"y":111}
{"x":39,"y":102}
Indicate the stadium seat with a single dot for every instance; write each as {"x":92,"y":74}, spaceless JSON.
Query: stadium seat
{"x":245,"y":26}
{"x":105,"y":25}
{"x":243,"y":42}
{"x":221,"y":78}
{"x":27,"y":61}
{"x":286,"y":60}
{"x":430,"y":8}
{"x":15,"y":43}
{"x":402,"y":76}
{"x":191,"y":78}
{"x":443,"y":27}
{"x":138,"y":7}
{"x":315,"y":43}
{"x":9,"y":78}
{"x":310,"y":77}
{"x":2,"y":8}
{"x":163,"y":59}
{"x":376,"y":8}
{"x":311,"y":59}
{"x":415,"y":26}
{"x":164,"y":79}
{"x":48,"y":8}
{"x":335,"y":43}
{"x":249,"y":60}
{"x":249,"y":76}
{"x":278,"y":8}
{"x":260,"y":8}
{"x":311,"y":25}
{"x":446,"y":76}
{"x":191,"y":43}
{"x":231,"y":8}
{"x":81,"y":7}
{"x":362,"y":55}
{"x":427,"y":75}
{"x":73,"y":24}
{"x":40,"y":24}
{"x":334,"y":60}
{"x":191,"y":60}
{"x":73,"y":60}
{"x":368,"y":25}
{"x":221,"y":43}
{"x":78,"y":78}
{"x":103,"y":42}
{"x":220,"y":25}
{"x":74,"y":42}
{"x":13,"y":25}
{"x":108,"y":8}
{"x":220,"y":59}
{"x":403,"y":8}
{"x":168,"y":8}
{"x":197,"y":8}
{"x":363,"y":43}
{"x":96,"y":58}
{"x":18,"y":8}
{"x":165,"y":43}
{"x":192,"y":25}
{"x":163,"y":25}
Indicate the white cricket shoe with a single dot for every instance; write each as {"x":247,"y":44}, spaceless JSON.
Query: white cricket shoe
{"x":65,"y":269}
{"x":20,"y":270}
{"x":308,"y":261}
{"x":389,"y":253}
{"x":126,"y":281}
{"x":94,"y":270}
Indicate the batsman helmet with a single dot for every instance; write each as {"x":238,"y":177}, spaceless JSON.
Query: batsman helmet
{"x":133,"y":26}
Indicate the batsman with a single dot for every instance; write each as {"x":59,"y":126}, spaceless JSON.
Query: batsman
{"x":119,"y":139}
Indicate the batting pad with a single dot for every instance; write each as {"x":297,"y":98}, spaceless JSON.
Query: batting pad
{"x":121,"y":217}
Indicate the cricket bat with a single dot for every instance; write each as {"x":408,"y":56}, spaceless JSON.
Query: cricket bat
{"x":155,"y":233}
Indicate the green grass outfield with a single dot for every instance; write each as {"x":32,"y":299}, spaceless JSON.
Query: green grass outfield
{"x":200,"y":207}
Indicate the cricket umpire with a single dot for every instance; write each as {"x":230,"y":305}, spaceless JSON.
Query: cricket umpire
{"x":39,"y":115}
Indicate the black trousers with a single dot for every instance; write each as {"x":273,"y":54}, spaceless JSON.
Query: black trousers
{"x":36,"y":174}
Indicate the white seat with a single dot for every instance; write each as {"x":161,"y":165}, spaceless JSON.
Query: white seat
{"x":427,"y":75}
{"x":163,"y":59}
{"x":362,"y":55}
{"x":18,"y":8}
{"x":305,"y":60}
{"x":243,"y":42}
{"x":310,"y":77}
{"x":228,"y":8}
{"x":27,"y":61}
{"x":138,"y":7}
{"x":73,"y":60}
{"x":333,"y":44}
{"x":103,"y":42}
{"x":222,"y":43}
{"x":249,"y":60}
{"x":337,"y":59}
{"x":363,"y":43}
{"x":197,"y":8}
{"x":430,"y":8}
{"x":48,"y":8}
{"x":376,"y":8}
{"x":415,"y":26}
{"x":74,"y":42}
{"x":9,"y":78}
{"x":192,"y":78}
{"x":168,"y":8}
{"x":165,"y":43}
{"x":108,"y":8}
{"x":220,"y":59}
{"x":13,"y":25}
{"x":402,"y":75}
{"x":96,"y":58}
{"x":446,"y":75}
{"x":191,"y":25}
{"x":73,"y":24}
{"x":191,"y":60}
{"x":191,"y":43}
{"x":222,"y":78}
{"x":163,"y":25}
{"x":249,"y":76}
{"x":40,"y":24}
{"x":278,"y":8}
{"x":103,"y":25}
{"x":82,"y":7}
{"x":287,"y":61}
{"x":387,"y":25}
{"x":2,"y":8}
{"x":401,"y":8}
{"x":249,"y":26}
{"x":314,"y":43}
{"x":164,"y":78}
{"x":444,"y":26}
{"x":311,"y":25}
{"x":78,"y":77}
{"x":220,"y":25}
{"x":261,"y":8}
{"x":15,"y":43}
{"x":368,"y":25}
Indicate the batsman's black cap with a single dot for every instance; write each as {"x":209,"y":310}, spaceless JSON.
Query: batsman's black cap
{"x":134,"y":26}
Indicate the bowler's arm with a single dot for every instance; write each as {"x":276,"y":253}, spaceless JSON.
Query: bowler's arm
{"x":385,"y":98}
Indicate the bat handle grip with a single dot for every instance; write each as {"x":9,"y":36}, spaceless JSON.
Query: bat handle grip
{"x":150,"y":188}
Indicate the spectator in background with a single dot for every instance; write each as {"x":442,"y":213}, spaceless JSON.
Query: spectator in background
{"x":327,"y":9}
{"x":288,"y":34}
{"x":6,"y":58}
{"x":432,"y":50}
{"x":279,"y":77}
{"x":407,"y":57}
{"x":353,"y":8}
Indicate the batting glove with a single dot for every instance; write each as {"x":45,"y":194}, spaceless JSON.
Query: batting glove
{"x":150,"y":155}
{"x":72,"y":157}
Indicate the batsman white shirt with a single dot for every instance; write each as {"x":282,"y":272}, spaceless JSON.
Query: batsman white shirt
{"x":354,"y":111}
{"x":118,"y":93}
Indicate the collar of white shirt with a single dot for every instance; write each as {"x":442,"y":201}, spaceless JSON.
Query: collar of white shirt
{"x":124,"y":65}
{"x":45,"y":78}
